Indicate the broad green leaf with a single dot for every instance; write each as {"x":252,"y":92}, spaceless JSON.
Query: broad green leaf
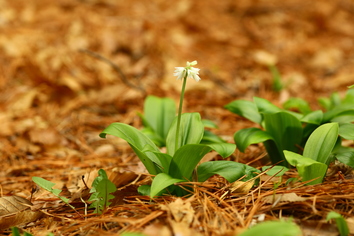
{"x":230,"y":170}
{"x":209,"y":124}
{"x":153,"y":136}
{"x":285,"y":129}
{"x":345,"y":155}
{"x":349,"y":97}
{"x":275,"y":170}
{"x":224,"y":149}
{"x":273,"y":228}
{"x":340,"y":110}
{"x":340,"y":221}
{"x":307,"y":168}
{"x":162,"y":160}
{"x":144,"y":190}
{"x":346,"y":130}
{"x":246,"y":109}
{"x":325,"y":103}
{"x":245,"y":137}
{"x":159,"y":114}
{"x":191,"y":132}
{"x":265,"y":106}
{"x":187,"y":157}
{"x":136,"y":139}
{"x":314,"y":117}
{"x":162,"y":181}
{"x":321,"y":143}
{"x":299,"y":104}
{"x":209,"y":137}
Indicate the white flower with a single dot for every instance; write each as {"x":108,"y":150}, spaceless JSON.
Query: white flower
{"x":190,"y":71}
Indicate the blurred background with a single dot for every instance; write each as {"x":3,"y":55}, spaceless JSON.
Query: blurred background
{"x":68,"y":68}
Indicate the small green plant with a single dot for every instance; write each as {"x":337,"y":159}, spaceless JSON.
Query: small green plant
{"x":340,"y":221}
{"x":158,"y":116}
{"x":101,"y":191}
{"x":283,"y":129}
{"x":184,"y":147}
{"x":47,"y":185}
{"x":277,"y":81}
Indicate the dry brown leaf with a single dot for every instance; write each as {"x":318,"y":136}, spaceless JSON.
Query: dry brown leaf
{"x":181,"y":211}
{"x":286,"y":197}
{"x":241,"y":187}
{"x":16,"y":210}
{"x":350,"y":222}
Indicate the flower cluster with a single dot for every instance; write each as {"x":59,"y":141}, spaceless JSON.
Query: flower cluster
{"x":188,"y":71}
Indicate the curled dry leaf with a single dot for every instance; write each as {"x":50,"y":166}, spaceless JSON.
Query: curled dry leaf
{"x":16,"y":210}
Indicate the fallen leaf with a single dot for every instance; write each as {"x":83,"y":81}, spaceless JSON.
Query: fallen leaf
{"x":241,"y":187}
{"x":286,"y":197}
{"x":16,"y":210}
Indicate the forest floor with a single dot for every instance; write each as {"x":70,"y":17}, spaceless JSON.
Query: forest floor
{"x":70,"y":68}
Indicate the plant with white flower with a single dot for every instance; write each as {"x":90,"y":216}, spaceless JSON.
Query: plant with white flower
{"x":183,"y":137}
{"x":184,"y":72}
{"x":188,"y":71}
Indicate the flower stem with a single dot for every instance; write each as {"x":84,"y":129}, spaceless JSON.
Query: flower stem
{"x":180,"y":110}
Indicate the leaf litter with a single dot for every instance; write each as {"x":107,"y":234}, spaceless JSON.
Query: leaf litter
{"x":56,"y":98}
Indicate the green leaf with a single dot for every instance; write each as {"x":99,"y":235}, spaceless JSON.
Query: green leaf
{"x":162,"y":181}
{"x":285,"y":129}
{"x":314,"y":117}
{"x":132,"y":234}
{"x":47,"y":185}
{"x":137,"y":140}
{"x":277,"y":83}
{"x":186,"y":159}
{"x":336,"y":112}
{"x":246,"y":109}
{"x":346,"y":130}
{"x":144,"y":190}
{"x":245,"y":137}
{"x":191,"y":132}
{"x":101,"y":191}
{"x":153,"y":136}
{"x":101,"y":198}
{"x":321,"y":143}
{"x":299,"y":104}
{"x":345,"y":155}
{"x":273,"y":228}
{"x":340,"y":221}
{"x":209,"y":137}
{"x":275,"y":170}
{"x":349,"y":96}
{"x":307,"y":168}
{"x":162,"y":160}
{"x":265,"y":106}
{"x":209,"y":124}
{"x":159,"y":114}
{"x":224,"y":149}
{"x":230,"y":170}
